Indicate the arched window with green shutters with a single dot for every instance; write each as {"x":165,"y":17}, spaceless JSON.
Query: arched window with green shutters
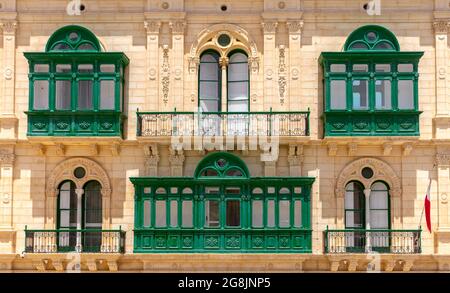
{"x":209,"y":82}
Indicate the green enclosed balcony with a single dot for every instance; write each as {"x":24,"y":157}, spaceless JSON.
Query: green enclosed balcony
{"x":73,"y":240}
{"x":154,"y":124}
{"x":76,"y":89}
{"x":374,"y":240}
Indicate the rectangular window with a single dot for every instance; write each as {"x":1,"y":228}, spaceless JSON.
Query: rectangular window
{"x":233,"y":213}
{"x":405,"y":94}
{"x":383,"y":67}
{"x":147,"y":213}
{"x":338,"y":95}
{"x":284,"y":213}
{"x":212,"y":213}
{"x":107,"y":68}
{"x":186,"y":213}
{"x":360,"y":68}
{"x":360,"y":91}
{"x":85,"y":68}
{"x":257,"y":213}
{"x":271,"y":213}
{"x":63,"y":94}
{"x":41,"y":68}
{"x":107,"y":94}
{"x":297,"y":213}
{"x":173,"y":213}
{"x":63,"y":68}
{"x":40,"y":95}
{"x":405,"y":68}
{"x":85,"y":94}
{"x":338,"y":68}
{"x":383,"y":94}
{"x":160,"y":213}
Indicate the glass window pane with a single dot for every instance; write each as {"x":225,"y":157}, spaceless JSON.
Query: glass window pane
{"x":379,"y":200}
{"x":85,"y":47}
{"x":284,"y":213}
{"x":147,"y":213}
{"x":238,"y":91}
{"x":257,"y":213}
{"x":107,"y":94}
{"x":383,"y":46}
{"x":107,"y":68}
{"x":187,"y":213}
{"x":238,"y":57}
{"x":360,"y":90}
{"x":212,"y":213}
{"x":237,"y":71}
{"x":40,"y":94}
{"x":209,"y":105}
{"x":405,"y":94}
{"x":63,"y":94}
{"x":383,"y":94}
{"x":405,"y":67}
{"x":63,"y":68}
{"x":383,"y":67}
{"x":338,"y":94}
{"x":209,"y":90}
{"x":209,"y":71}
{"x":41,"y":67}
{"x":353,"y":219}
{"x":64,"y":218}
{"x":64,"y":199}
{"x":209,"y":58}
{"x":233,"y":213}
{"x":85,"y":68}
{"x":85,"y":93}
{"x":379,"y":219}
{"x":271,"y":213}
{"x":173,"y":213}
{"x":297,"y":213}
{"x":360,"y":67}
{"x":338,"y":68}
{"x":160,"y":212}
{"x":238,"y":106}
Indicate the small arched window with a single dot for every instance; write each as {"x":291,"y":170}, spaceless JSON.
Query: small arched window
{"x":354,"y":206}
{"x":209,"y":82}
{"x":238,"y":82}
{"x":379,"y":206}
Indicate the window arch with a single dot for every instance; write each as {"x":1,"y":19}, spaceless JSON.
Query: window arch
{"x":73,"y":38}
{"x":209,"y":79}
{"x":354,"y":205}
{"x":238,"y":86}
{"x":221,"y":165}
{"x":379,"y":203}
{"x":373,"y":38}
{"x":67,"y":206}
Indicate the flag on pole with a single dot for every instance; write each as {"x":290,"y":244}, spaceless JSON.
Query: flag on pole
{"x":428,"y":207}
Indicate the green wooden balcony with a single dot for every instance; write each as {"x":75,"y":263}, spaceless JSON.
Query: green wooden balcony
{"x":72,"y":240}
{"x":154,"y":124}
{"x":374,"y":240}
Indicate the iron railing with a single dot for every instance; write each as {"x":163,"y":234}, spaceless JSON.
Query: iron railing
{"x":222,"y":123}
{"x":68,"y":240}
{"x":374,"y":240}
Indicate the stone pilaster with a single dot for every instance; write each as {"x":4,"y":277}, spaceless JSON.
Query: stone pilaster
{"x":441,"y":28}
{"x":269,"y":29}
{"x":9,"y":61}
{"x":177,"y":60}
{"x":443,"y":181}
{"x":152,"y":55}
{"x":151,"y":160}
{"x":176,"y":159}
{"x":295,"y":43}
{"x":6,"y":186}
{"x":295,"y":159}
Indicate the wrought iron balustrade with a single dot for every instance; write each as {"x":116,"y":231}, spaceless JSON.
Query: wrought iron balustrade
{"x":376,"y":240}
{"x":152,"y":124}
{"x":67,"y":240}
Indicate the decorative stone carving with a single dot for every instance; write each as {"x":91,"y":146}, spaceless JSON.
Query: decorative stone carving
{"x":176,"y":156}
{"x":39,"y":148}
{"x":193,"y":64}
{"x":177,"y":27}
{"x":282,"y":72}
{"x":7,"y":157}
{"x":112,"y":265}
{"x":441,"y":26}
{"x":332,"y":149}
{"x":152,"y":73}
{"x":295,"y":27}
{"x":352,"y":148}
{"x":295,"y":73}
{"x":8,"y":27}
{"x":295,"y":156}
{"x":407,"y":148}
{"x":382,"y":171}
{"x":60,"y":149}
{"x":253,"y":63}
{"x":8,"y":73}
{"x":64,"y":171}
{"x":442,"y":159}
{"x":151,"y":159}
{"x":165,"y":74}
{"x":269,"y":27}
{"x":223,"y":61}
{"x":387,"y":148}
{"x":93,"y":149}
{"x":152,"y":27}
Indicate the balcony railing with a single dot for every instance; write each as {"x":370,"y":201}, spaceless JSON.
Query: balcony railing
{"x":376,"y":240}
{"x":152,"y":124}
{"x":87,"y":240}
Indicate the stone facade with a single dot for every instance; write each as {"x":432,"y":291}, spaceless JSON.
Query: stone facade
{"x":284,"y":39}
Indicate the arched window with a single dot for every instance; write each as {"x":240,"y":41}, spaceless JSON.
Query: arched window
{"x":67,"y":215}
{"x":92,"y":216}
{"x":354,"y":205}
{"x":209,"y":82}
{"x":379,"y":206}
{"x":238,"y":82}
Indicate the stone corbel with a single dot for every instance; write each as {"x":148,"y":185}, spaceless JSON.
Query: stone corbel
{"x":332,"y":149}
{"x":352,"y":148}
{"x":92,"y":265}
{"x":151,"y":159}
{"x":112,"y":266}
{"x":115,"y":149}
{"x":93,"y":149}
{"x":58,"y":265}
{"x":176,"y":159}
{"x":60,"y":149}
{"x":40,"y":265}
{"x":407,"y":148}
{"x":295,"y":156}
{"x":387,"y":148}
{"x":39,"y":148}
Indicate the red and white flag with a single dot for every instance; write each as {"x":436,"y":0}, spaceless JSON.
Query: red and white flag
{"x":428,"y":207}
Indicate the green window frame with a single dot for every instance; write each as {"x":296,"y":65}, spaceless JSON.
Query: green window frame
{"x":371,"y":55}
{"x":203,"y":82}
{"x":232,"y":80}
{"x":234,"y":197}
{"x":68,"y":110}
